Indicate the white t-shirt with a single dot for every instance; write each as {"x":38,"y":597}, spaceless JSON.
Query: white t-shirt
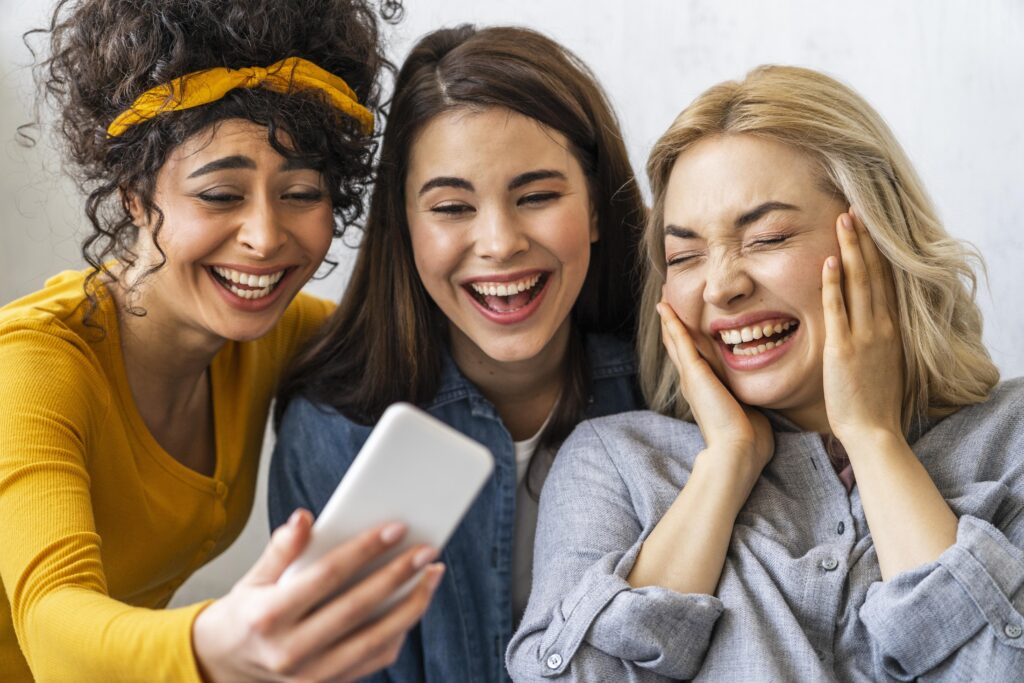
{"x":526,"y":526}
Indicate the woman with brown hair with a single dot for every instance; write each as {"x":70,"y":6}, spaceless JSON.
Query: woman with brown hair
{"x":221,"y":144}
{"x":495,"y":287}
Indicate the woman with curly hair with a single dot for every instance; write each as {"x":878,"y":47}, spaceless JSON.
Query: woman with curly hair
{"x":832,"y":486}
{"x":221,"y":146}
{"x":496,"y":288}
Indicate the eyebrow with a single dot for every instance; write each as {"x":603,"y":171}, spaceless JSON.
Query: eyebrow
{"x":236,"y":161}
{"x":446,"y":181}
{"x":519,"y":181}
{"x":239,"y":161}
{"x":761,"y":211}
{"x":745,"y":219}
{"x":533,"y":176}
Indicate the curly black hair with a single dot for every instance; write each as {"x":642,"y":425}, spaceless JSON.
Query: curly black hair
{"x":103,"y":54}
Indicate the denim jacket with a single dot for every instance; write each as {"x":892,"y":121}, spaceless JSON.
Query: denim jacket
{"x":464,"y":633}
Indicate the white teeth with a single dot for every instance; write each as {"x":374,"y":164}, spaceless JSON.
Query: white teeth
{"x":746,"y":334}
{"x":505,"y":288}
{"x":249,"y":279}
{"x":266,"y":283}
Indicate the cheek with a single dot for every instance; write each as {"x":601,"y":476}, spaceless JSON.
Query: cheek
{"x":683,"y":294}
{"x":568,"y":234}
{"x":435,"y":252}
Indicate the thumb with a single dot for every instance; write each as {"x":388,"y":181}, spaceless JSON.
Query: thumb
{"x":286,"y":543}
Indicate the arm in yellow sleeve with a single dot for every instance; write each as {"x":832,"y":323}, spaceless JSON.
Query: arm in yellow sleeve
{"x":69,"y":629}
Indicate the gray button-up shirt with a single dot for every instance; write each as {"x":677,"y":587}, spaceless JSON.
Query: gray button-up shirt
{"x":801,"y":596}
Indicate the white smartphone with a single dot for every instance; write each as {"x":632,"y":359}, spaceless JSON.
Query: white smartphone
{"x":412,"y":469}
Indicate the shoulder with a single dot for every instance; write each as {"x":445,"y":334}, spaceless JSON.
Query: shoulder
{"x":314,"y":431}
{"x":44,"y":342}
{"x":1001,"y":413}
{"x":633,"y":442}
{"x":53,"y":380}
{"x":981,"y":441}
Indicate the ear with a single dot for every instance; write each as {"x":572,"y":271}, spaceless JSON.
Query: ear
{"x":133,"y":207}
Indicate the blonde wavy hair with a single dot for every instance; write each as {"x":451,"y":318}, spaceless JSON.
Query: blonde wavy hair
{"x":947,"y":366}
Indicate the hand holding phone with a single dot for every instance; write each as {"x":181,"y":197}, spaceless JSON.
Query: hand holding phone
{"x":413,"y":469}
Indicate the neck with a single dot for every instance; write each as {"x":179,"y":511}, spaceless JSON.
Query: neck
{"x":165,"y":361}
{"x":524,"y":392}
{"x":810,"y":419}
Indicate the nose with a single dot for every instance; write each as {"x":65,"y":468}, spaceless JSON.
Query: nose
{"x":261,"y":232}
{"x":727,"y":281}
{"x":499,"y":237}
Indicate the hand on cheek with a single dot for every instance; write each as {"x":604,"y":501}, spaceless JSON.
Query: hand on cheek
{"x":863,"y":359}
{"x":727,"y":426}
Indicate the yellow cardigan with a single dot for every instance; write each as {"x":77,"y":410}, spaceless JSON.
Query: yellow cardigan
{"x":98,"y":524}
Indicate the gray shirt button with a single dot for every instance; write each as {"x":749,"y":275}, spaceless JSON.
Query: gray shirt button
{"x":1012,"y":631}
{"x":840,"y":528}
{"x":829,"y":563}
{"x":554,"y":661}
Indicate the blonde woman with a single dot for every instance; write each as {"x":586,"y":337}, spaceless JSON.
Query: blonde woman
{"x":832,"y":485}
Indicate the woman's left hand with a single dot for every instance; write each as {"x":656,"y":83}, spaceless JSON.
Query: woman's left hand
{"x":863,"y":357}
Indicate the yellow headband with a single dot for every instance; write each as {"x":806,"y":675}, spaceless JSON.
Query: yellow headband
{"x":203,"y":87}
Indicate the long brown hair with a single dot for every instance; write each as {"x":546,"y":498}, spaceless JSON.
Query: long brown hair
{"x":385,"y":341}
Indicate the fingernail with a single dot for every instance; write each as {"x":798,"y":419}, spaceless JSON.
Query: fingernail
{"x":831,"y":262}
{"x":434,"y":578}
{"x":392,"y":532}
{"x":846,"y":222}
{"x":423,"y":557}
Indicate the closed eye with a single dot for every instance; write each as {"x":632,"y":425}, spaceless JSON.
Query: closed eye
{"x":452,"y":209}
{"x":537,"y":198}
{"x":680,"y":259}
{"x":219,"y":197}
{"x":769,"y":240}
{"x":311,"y":197}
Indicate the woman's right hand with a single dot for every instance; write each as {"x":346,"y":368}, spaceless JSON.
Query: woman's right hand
{"x":727,"y":426}
{"x":686,"y":550}
{"x":263,"y":631}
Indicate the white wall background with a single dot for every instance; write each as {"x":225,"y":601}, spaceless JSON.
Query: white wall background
{"x":947,"y":75}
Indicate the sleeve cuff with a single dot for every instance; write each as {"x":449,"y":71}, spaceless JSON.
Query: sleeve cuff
{"x":922,"y":616}
{"x":653,"y":628}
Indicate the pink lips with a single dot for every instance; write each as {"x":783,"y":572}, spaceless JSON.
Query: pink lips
{"x":510,"y":317}
{"x":761,"y":360}
{"x":251,"y":305}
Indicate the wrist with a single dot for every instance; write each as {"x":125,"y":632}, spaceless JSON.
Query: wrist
{"x":732,"y":472}
{"x":865,"y":442}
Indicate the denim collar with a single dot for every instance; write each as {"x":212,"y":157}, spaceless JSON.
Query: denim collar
{"x":607,"y":356}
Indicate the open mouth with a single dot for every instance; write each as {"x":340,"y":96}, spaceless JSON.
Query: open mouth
{"x":508,"y":297}
{"x":753,"y":340}
{"x":248,"y":285}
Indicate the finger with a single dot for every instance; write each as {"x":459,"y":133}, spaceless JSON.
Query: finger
{"x":315,"y":583}
{"x":877,"y":272}
{"x":367,"y":650}
{"x":837,"y":326}
{"x":855,"y":275}
{"x":348,"y":611}
{"x":286,"y":543}
{"x":682,"y":342}
{"x":670,"y":347}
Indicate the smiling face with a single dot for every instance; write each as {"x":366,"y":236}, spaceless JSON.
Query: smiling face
{"x":244,"y":228}
{"x":501,"y":227}
{"x":748,"y":226}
